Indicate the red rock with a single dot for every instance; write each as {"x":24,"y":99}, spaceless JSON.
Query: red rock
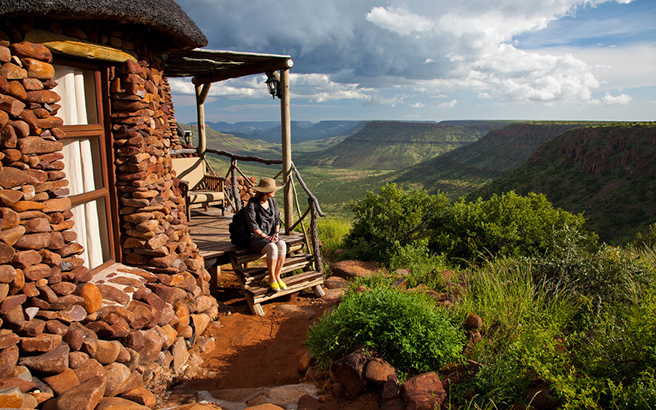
{"x":6,"y":253}
{"x":140,"y":395}
{"x":11,"y":105}
{"x":473,"y":322}
{"x":38,"y":69}
{"x":13,"y":398}
{"x":34,"y":241}
{"x":377,"y":371}
{"x":91,"y":368}
{"x":423,"y":392}
{"x":11,"y":71}
{"x":43,"y":342}
{"x":23,"y":385}
{"x":56,"y":327}
{"x":351,"y":269}
{"x":8,"y":359}
{"x":42,"y":97}
{"x":114,"y":294}
{"x":11,"y":235}
{"x":37,"y":225}
{"x":38,"y":145}
{"x":118,"y":403}
{"x":32,"y":328}
{"x":7,"y":274}
{"x":107,"y":351}
{"x":31,"y":50}
{"x":8,"y":217}
{"x":17,"y":90}
{"x":92,"y":297}
{"x":11,"y":302}
{"x":116,"y":375}
{"x":54,"y":361}
{"x":348,"y":371}
{"x":79,"y":336}
{"x":24,"y":259}
{"x":8,"y":138}
{"x":62,"y":382}
{"x":152,"y":346}
{"x":36,"y":272}
{"x":168,"y":294}
{"x":11,"y":177}
{"x":84,"y":396}
{"x":63,"y":288}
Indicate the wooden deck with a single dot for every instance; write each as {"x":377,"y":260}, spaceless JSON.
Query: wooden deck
{"x":210,"y":233}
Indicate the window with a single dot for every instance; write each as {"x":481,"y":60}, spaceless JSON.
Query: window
{"x":85,"y":160}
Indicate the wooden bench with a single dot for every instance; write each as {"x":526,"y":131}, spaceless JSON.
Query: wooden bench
{"x":254,"y":280}
{"x":199,"y":186}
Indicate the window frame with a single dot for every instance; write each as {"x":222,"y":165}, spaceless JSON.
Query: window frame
{"x":101,"y":133}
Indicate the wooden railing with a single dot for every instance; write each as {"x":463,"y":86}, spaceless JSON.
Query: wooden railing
{"x":313,"y":210}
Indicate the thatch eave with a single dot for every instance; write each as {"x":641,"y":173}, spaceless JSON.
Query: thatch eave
{"x":164,"y":16}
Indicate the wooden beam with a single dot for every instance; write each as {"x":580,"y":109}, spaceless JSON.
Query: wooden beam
{"x":286,"y":127}
{"x":201,"y":94}
{"x":244,"y":70}
{"x":62,"y":44}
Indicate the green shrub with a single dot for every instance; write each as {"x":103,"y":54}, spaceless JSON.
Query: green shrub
{"x":386,"y":222}
{"x":506,"y":225}
{"x":405,"y":328}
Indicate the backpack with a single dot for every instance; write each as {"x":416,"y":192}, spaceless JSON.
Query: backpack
{"x":240,"y":235}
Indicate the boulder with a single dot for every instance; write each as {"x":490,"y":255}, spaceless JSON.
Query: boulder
{"x":423,"y":392}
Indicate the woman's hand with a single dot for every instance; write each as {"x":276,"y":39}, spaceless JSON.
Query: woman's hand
{"x":275,"y":237}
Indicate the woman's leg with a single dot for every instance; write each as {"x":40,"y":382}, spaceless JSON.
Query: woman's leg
{"x":281,"y":248}
{"x":271,"y":251}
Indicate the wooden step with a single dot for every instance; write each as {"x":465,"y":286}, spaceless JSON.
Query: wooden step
{"x":261,"y":292}
{"x":243,"y":256}
{"x":292,"y":263}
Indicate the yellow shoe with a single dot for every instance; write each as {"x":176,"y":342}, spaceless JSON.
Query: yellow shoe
{"x":282,"y":284}
{"x":275,"y":286}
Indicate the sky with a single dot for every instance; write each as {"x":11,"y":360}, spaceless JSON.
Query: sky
{"x":434,"y":60}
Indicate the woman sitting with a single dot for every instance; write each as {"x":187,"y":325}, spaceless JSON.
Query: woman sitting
{"x":263,"y":219}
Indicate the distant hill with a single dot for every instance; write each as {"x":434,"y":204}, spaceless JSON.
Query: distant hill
{"x":607,"y":172}
{"x":240,"y":146}
{"x":493,"y":156}
{"x":301,"y":131}
{"x":394,"y":145}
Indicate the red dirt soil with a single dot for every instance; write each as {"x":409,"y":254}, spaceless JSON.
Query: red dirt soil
{"x":252,"y":351}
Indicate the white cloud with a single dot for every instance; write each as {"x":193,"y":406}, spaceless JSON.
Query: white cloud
{"x":449,"y":104}
{"x":398,"y":20}
{"x":378,"y":53}
{"x":622,"y":99}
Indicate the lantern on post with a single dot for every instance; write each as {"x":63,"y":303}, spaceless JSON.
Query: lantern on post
{"x":273,"y":82}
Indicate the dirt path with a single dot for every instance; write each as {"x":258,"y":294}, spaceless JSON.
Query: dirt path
{"x":251,"y":351}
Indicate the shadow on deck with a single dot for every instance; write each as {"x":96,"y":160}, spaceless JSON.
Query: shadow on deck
{"x":210,"y":233}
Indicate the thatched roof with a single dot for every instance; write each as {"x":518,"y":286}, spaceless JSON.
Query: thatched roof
{"x":164,"y":16}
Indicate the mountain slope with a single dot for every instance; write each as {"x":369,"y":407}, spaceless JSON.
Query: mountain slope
{"x":493,"y":156}
{"x":607,"y":172}
{"x":301,"y":131}
{"x":394,"y":145}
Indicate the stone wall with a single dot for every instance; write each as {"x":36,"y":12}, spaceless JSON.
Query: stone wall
{"x":70,"y":336}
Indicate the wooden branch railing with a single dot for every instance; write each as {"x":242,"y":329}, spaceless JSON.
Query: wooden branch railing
{"x":313,"y":210}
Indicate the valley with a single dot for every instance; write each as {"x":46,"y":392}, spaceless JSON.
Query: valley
{"x":470,"y":159}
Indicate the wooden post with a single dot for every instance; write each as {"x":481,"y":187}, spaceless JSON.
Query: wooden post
{"x":286,"y":127}
{"x":201,"y":94}
{"x":235,"y":188}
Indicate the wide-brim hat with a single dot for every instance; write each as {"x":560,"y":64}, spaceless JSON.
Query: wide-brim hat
{"x":267,"y":185}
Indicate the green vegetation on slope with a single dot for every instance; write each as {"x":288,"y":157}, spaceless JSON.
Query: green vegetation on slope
{"x":605,"y":172}
{"x":493,"y":156}
{"x":393,"y":145}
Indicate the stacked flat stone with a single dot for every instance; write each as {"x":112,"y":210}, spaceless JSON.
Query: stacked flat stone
{"x":70,"y":339}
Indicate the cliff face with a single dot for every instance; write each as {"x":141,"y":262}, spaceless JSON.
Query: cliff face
{"x":631,"y":148}
{"x":606,"y":172}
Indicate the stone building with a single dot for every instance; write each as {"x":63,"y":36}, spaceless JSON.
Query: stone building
{"x":102,"y":288}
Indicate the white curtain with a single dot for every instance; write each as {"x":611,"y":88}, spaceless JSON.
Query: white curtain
{"x":78,"y":160}
{"x":70,"y":87}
